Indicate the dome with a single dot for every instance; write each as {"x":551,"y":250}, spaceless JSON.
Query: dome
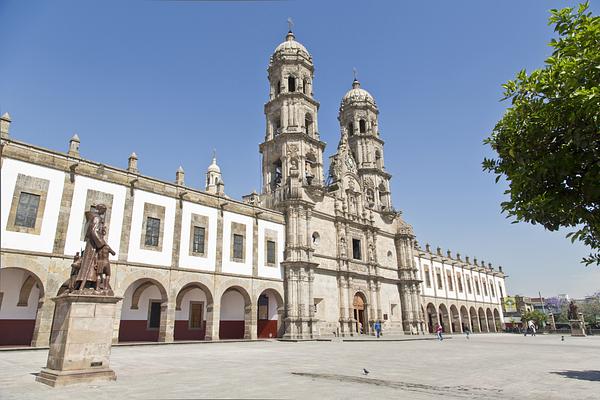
{"x":291,"y":47}
{"x":357,"y":95}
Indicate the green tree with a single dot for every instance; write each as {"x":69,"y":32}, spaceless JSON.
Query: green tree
{"x":548,"y":141}
{"x":538,"y":317}
{"x":591,"y":310}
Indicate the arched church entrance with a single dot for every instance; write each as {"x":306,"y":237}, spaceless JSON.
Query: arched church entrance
{"x":270,"y":312}
{"x":360,"y":313}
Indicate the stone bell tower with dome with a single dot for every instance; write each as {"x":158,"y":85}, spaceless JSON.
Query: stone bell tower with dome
{"x":358,"y":115}
{"x":292,"y":166}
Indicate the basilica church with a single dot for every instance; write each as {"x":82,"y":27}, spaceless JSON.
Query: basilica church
{"x":320,"y":252}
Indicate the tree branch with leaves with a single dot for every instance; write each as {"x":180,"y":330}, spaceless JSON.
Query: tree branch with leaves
{"x":548,"y":141}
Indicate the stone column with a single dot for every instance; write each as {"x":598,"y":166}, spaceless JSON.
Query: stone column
{"x":251,"y":322}
{"x":43,"y":323}
{"x":213,"y":316}
{"x":167,"y":321}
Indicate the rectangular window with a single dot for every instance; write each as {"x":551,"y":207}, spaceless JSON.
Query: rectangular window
{"x":199,"y":235}
{"x":439,"y":279}
{"x":238,"y":246}
{"x":195,"y":321}
{"x":27,"y":210}
{"x":459,"y":283}
{"x":356,"y":253}
{"x":154,"y":317}
{"x":449,"y":278}
{"x":477,"y":287}
{"x":485,"y":292}
{"x":500,"y":289}
{"x":271,"y":252}
{"x":427,"y":277}
{"x":492,"y":289}
{"x":152,"y":231}
{"x":469,"y":285}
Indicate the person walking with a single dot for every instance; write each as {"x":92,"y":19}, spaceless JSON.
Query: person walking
{"x":438,"y":332}
{"x":467,"y":331}
{"x":377,"y":327}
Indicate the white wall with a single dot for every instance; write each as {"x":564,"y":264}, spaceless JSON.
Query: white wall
{"x":11,"y":281}
{"x":150,"y":293}
{"x":233,"y":267}
{"x":82,"y":184}
{"x":185,"y":259}
{"x":232,"y":306}
{"x":136,"y":253}
{"x":44,"y":242}
{"x":263,"y":269}
{"x":195,"y":294}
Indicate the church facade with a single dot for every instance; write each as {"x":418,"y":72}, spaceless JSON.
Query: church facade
{"x":320,"y":252}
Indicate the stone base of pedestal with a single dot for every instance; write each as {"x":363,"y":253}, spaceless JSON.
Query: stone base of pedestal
{"x":55,"y":378}
{"x":81,"y":340}
{"x":577,"y":328}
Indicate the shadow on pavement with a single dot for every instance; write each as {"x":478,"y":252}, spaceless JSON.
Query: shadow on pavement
{"x":581,"y":375}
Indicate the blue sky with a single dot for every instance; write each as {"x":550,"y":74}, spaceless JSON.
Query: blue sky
{"x":171,"y":80}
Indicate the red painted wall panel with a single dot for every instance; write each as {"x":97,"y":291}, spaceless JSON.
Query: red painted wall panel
{"x":231,"y":329}
{"x":266,"y":327}
{"x":136,"y":331}
{"x":182,"y":332}
{"x":16,"y":332}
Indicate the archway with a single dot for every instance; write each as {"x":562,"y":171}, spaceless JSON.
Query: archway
{"x":445,"y":319}
{"x":490,"y":320}
{"x":482,"y":320}
{"x":193,"y":307}
{"x":143,"y":314}
{"x":235,"y":316}
{"x":359,"y":305}
{"x":497,"y":320}
{"x":21,"y":293}
{"x":269,"y":314}
{"x":456,"y":327}
{"x":475,"y":320}
{"x":466,"y":322}
{"x":432,"y":317}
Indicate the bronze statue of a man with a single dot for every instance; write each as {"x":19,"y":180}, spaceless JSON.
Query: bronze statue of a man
{"x":573,"y":311}
{"x":94,"y":260}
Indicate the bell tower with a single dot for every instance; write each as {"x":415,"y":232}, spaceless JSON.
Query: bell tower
{"x":292,"y":172}
{"x":292,"y":149}
{"x":358,"y":114}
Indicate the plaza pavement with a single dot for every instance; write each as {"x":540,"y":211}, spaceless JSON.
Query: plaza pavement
{"x":494,"y":366}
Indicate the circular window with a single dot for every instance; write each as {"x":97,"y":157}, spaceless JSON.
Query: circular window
{"x":316,"y":238}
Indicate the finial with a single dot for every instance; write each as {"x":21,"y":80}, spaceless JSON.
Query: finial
{"x":132,"y":165}
{"x":74,"y":145}
{"x":214,"y":155}
{"x":290,"y":24}
{"x":179,"y":176}
{"x":5,"y":124}
{"x":355,"y":83}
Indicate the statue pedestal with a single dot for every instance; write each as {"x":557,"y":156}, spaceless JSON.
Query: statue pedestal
{"x":577,"y":327}
{"x":80,"y":342}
